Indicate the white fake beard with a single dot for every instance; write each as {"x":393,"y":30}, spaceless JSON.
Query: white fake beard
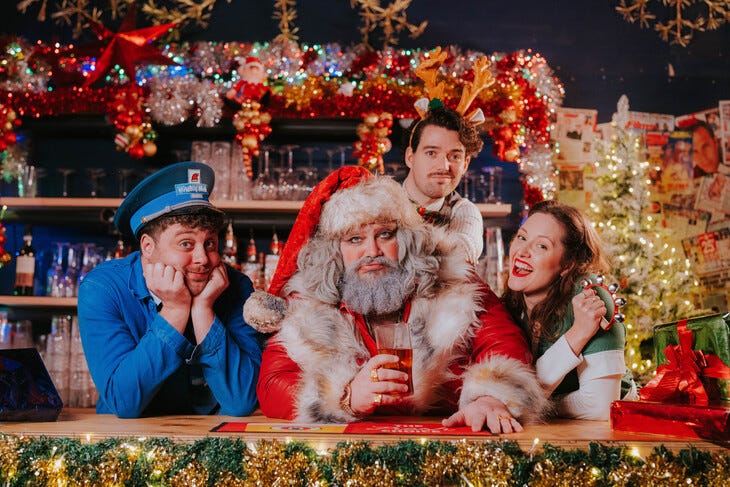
{"x":377,"y":294}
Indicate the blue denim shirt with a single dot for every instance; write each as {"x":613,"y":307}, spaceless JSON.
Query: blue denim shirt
{"x":142,"y":366}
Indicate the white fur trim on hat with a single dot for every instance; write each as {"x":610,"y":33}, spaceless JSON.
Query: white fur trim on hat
{"x":379,"y":199}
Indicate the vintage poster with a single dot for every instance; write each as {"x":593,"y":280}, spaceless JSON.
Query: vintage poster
{"x":713,"y":193}
{"x":725,"y":131}
{"x":706,"y":141}
{"x":575,"y":184}
{"x":675,"y":175}
{"x":683,"y":222}
{"x":574,"y":133}
{"x":709,"y":252}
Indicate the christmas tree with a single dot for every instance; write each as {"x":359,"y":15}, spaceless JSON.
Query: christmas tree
{"x":655,"y":277}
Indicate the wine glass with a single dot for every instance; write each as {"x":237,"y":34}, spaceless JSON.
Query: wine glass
{"x":289,"y":180}
{"x":343,"y":153}
{"x":95,"y":173}
{"x":495,"y":184}
{"x":330,"y":157}
{"x":264,"y":187}
{"x":65,"y":172}
{"x":123,"y":175}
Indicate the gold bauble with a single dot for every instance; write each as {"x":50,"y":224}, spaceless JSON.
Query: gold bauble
{"x":371,"y":118}
{"x":150,"y":148}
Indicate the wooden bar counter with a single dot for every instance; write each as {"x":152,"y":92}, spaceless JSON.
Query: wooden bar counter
{"x":86,"y":425}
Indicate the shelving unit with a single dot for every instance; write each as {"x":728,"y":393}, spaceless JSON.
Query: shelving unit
{"x":19,"y":207}
{"x":45,"y":302}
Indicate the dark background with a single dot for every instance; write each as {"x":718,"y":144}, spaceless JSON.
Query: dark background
{"x":595,"y":53}
{"x":592,"y":50}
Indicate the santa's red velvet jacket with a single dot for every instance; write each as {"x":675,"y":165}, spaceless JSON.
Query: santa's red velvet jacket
{"x":465,"y":346}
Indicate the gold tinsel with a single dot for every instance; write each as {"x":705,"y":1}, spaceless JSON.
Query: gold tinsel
{"x":192,"y":475}
{"x":656,"y":472}
{"x":719,"y":473}
{"x":683,"y":19}
{"x":547,"y":474}
{"x":478,"y":463}
{"x":10,"y":448}
{"x":349,"y":471}
{"x":270,"y":464}
{"x":285,"y":13}
{"x":391,"y":20}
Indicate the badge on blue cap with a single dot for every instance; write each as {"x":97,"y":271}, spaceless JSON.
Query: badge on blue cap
{"x":181,"y":185}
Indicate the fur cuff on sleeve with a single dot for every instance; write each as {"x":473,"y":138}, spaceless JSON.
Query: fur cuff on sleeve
{"x":319,"y":398}
{"x":264,"y":311}
{"x":509,"y":380}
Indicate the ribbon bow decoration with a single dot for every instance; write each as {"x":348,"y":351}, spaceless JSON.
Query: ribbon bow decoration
{"x":679,"y":380}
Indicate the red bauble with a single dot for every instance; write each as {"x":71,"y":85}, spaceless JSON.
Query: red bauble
{"x":136,"y":151}
{"x":10,"y":138}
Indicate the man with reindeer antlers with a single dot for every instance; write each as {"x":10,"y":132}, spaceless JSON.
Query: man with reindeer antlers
{"x":441,"y":144}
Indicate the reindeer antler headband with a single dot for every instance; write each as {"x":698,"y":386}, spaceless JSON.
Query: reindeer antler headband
{"x":428,"y":71}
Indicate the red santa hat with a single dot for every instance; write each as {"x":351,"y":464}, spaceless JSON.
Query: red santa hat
{"x":252,"y":60}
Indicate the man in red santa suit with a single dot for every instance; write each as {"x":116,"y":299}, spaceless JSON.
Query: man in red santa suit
{"x":359,"y":257}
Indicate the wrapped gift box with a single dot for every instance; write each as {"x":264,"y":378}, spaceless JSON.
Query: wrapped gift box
{"x":693,"y":362}
{"x":683,"y":420}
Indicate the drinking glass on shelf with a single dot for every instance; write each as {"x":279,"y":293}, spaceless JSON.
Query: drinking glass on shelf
{"x":23,"y":334}
{"x":494,"y":184}
{"x":27,"y":181}
{"x":65,"y":173}
{"x":310,"y":176}
{"x":289,"y":180}
{"x":54,"y":277}
{"x":58,"y":353}
{"x":494,"y":260}
{"x":6,"y":331}
{"x":330,"y":159}
{"x":70,"y":277}
{"x":200,"y":151}
{"x":124,"y":175}
{"x":95,"y":174}
{"x":343,"y":153}
{"x":220,"y":156}
{"x":264,"y":186}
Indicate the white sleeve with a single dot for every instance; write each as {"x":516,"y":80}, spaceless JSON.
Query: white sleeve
{"x":466,"y":223}
{"x":555,"y":363}
{"x":599,"y":384}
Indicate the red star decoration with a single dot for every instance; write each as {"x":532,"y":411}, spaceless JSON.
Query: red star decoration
{"x":128,"y":47}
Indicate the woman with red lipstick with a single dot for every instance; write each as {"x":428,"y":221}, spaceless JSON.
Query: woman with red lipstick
{"x":579,"y":364}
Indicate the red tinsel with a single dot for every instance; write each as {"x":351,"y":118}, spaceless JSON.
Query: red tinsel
{"x":532,"y":195}
{"x":374,"y":142}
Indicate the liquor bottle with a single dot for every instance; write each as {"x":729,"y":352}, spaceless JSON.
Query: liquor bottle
{"x":25,"y":266}
{"x":230,"y":250}
{"x":120,"y":251}
{"x":272,"y":259}
{"x":251,"y":266}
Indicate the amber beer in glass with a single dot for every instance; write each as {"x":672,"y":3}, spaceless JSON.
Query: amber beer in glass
{"x":395,"y":339}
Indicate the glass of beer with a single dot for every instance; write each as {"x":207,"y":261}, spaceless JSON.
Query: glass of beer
{"x":395,"y":339}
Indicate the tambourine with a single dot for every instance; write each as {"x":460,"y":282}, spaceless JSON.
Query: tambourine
{"x":614,"y":314}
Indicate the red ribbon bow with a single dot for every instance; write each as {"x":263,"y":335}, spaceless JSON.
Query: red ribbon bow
{"x":679,"y":379}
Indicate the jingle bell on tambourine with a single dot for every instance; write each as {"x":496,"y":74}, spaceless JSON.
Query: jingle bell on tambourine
{"x":614,"y":314}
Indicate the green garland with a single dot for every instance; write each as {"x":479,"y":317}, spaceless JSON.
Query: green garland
{"x":232,"y":462}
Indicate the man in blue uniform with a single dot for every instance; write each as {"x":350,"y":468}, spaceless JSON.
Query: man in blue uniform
{"x":162,"y":329}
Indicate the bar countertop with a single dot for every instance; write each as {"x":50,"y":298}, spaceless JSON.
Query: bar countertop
{"x":86,"y":425}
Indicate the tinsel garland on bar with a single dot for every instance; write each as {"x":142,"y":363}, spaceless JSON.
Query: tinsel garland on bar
{"x":232,"y":462}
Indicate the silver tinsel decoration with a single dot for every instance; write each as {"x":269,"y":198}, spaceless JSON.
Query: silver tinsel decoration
{"x":169,"y":102}
{"x":208,"y":104}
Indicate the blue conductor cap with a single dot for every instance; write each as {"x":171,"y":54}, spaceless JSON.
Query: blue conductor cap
{"x":178,"y":186}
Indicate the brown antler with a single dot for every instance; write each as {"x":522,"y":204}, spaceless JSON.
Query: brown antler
{"x":482,"y":79}
{"x":428,"y":71}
